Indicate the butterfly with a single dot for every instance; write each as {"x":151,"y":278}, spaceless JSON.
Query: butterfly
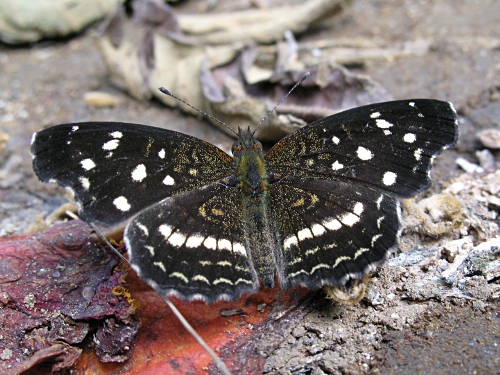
{"x":320,"y":208}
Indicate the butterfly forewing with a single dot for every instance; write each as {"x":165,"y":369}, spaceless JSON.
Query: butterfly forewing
{"x":389,"y":146}
{"x":192,"y":245}
{"x":118,"y":169}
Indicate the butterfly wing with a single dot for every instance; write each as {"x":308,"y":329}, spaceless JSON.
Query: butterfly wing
{"x":331,"y":231}
{"x":118,"y":169}
{"x":388,"y":146}
{"x":334,"y":183}
{"x":192,"y":245}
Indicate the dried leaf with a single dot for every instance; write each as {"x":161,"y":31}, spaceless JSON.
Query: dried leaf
{"x":56,"y":287}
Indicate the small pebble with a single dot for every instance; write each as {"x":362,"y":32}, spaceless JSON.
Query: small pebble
{"x":486,"y":160}
{"x":490,"y":138}
{"x":100,"y":99}
{"x":468,"y":166}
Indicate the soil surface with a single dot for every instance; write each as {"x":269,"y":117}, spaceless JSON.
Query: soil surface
{"x":404,"y":324}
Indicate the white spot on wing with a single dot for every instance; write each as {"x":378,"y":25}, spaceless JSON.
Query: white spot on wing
{"x":224,"y":244}
{"x":201,"y":278}
{"x":338,"y":260}
{"x":409,"y":138}
{"x":349,"y":219}
{"x":293,"y":274}
{"x":332,"y":224}
{"x":375,"y":115}
{"x":177,"y":239}
{"x":143,"y":228}
{"x":116,"y":134}
{"x":161,"y":153}
{"x":379,"y":221}
{"x":317,"y":267}
{"x":304,"y":234}
{"x":389,"y":178}
{"x":239,"y":248}
{"x":312,"y":251}
{"x":75,"y":128}
{"x":379,"y":201}
{"x":364,"y":153}
{"x":336,"y":166}
{"x":360,"y":251}
{"x":165,"y":230}
{"x":139,"y":173}
{"x":418,"y":154}
{"x":168,"y":180}
{"x":87,"y":164}
{"x":194,"y":241}
{"x":412,"y":104}
{"x":318,"y":229}
{"x":223,"y":280}
{"x":335,"y":140}
{"x":358,"y":208}
{"x":151,"y":250}
{"x":160,"y":264}
{"x":375,"y":238}
{"x":240,"y":280}
{"x":383,"y":124}
{"x":84,"y":181}
{"x":295,"y":260}
{"x":122,"y":204}
{"x":292,"y":240}
{"x":33,"y":137}
{"x":210,"y":243}
{"x":179,"y":276}
{"x":352,"y":218}
{"x":110,"y":145}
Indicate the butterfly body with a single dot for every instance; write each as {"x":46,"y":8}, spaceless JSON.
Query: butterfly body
{"x":253,"y":185}
{"x":320,"y":208}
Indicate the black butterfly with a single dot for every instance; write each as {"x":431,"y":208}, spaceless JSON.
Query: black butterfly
{"x":319,"y":209}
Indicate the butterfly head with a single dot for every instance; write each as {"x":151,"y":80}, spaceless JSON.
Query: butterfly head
{"x":246,"y":142}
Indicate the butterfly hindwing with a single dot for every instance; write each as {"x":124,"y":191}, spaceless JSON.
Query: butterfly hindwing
{"x":333,"y":231}
{"x":118,"y":169}
{"x":192,"y":245}
{"x":389,"y":146}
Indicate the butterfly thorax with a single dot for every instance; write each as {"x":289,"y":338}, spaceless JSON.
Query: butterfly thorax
{"x":252,"y":181}
{"x":250,"y":168}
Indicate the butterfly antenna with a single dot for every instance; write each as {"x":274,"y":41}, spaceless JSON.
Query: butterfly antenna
{"x":166,"y":92}
{"x":218,"y":362}
{"x":302,"y":79}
